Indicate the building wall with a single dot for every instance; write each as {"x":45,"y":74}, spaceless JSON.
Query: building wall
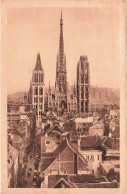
{"x":94,"y":158}
{"x":83,"y":126}
{"x":43,"y":146}
{"x":96,"y":131}
{"x":66,"y":162}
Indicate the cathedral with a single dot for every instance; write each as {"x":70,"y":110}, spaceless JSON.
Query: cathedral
{"x":62,"y":98}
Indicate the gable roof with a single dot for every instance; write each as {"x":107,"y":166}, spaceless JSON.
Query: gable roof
{"x":107,"y":165}
{"x":113,"y":143}
{"x":54,"y":180}
{"x":55,"y":127}
{"x":75,"y":147}
{"x":47,"y":161}
{"x":62,"y":180}
{"x":48,"y":158}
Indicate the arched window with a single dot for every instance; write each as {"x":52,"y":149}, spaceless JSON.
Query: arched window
{"x":41,"y":78}
{"x":35,"y":91}
{"x":40,"y":91}
{"x":35,"y":77}
{"x":40,"y":99}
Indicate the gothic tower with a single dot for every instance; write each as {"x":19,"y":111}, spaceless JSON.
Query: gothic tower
{"x":83,"y":85}
{"x":61,"y":74}
{"x":37,"y":89}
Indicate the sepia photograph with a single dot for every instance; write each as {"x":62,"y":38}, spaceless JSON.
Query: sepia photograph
{"x":63,"y":88}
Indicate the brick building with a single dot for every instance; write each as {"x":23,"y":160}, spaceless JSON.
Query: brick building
{"x":64,"y":160}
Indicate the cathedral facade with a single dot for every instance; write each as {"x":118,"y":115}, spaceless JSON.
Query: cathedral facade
{"x":62,"y":98}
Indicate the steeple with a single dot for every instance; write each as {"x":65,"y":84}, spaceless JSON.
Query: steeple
{"x":61,"y":42}
{"x":74,"y":90}
{"x":49,"y":88}
{"x":61,"y":74}
{"x":38,"y":63}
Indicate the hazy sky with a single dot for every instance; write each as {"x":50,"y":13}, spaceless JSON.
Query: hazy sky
{"x":87,"y":31}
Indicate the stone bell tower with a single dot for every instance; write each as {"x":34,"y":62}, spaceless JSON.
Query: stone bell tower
{"x":37,"y":89}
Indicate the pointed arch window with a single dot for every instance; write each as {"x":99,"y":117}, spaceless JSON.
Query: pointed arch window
{"x":35,"y":91}
{"x":41,"y":78}
{"x":35,"y":77}
{"x":40,"y":91}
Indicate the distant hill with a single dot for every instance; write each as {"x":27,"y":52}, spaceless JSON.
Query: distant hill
{"x":16,"y":97}
{"x":104,"y":95}
{"x":98,"y":95}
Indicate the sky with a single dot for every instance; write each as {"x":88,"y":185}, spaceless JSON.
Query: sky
{"x":87,"y":31}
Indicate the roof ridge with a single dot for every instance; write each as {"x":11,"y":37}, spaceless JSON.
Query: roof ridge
{"x":54,"y":157}
{"x":80,"y":155}
{"x":50,"y":129}
{"x":63,"y":180}
{"x":71,"y":145}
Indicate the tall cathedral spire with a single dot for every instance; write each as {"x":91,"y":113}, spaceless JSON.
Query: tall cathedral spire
{"x":61,"y":42}
{"x":61,"y":74}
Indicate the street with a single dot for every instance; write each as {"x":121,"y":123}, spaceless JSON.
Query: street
{"x":30,"y":164}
